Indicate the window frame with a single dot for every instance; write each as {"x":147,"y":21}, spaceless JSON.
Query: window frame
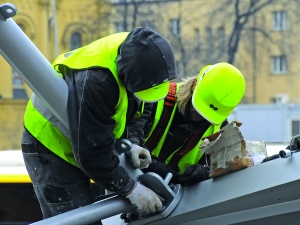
{"x":278,"y":65}
{"x":79,"y":43}
{"x":175,"y":27}
{"x":279,"y":20}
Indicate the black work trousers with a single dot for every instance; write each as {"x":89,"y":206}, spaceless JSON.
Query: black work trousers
{"x":58,"y":185}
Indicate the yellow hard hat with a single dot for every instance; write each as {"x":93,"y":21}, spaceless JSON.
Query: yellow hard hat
{"x":219,"y":89}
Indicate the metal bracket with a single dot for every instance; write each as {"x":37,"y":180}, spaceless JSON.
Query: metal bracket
{"x":170,"y":194}
{"x":122,"y":146}
{"x":7,"y":10}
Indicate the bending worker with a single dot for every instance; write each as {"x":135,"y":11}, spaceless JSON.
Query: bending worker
{"x":105,"y":80}
{"x":194,"y":109}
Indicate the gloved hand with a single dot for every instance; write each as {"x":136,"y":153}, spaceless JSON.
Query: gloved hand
{"x":145,"y":200}
{"x":139,"y":156}
{"x":193,"y":174}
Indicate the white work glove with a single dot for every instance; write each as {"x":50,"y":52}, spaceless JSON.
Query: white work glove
{"x":139,"y":156}
{"x":145,"y":200}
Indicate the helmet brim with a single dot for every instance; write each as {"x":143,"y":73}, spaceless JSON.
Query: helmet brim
{"x":154,"y":94}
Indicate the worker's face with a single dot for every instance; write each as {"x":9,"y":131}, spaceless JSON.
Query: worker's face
{"x":195,"y":116}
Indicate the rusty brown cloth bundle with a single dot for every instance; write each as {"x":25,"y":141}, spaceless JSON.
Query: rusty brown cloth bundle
{"x":228,"y":151}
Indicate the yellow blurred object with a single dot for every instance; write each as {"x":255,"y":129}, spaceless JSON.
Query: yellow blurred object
{"x":14,"y":178}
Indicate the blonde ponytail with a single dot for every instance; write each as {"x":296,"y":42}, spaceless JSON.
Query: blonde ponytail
{"x":185,"y":93}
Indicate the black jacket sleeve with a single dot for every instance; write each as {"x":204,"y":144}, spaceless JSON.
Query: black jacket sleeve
{"x":93,"y":95}
{"x":135,"y":130}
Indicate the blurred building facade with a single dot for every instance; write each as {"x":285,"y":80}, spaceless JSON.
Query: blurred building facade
{"x":260,"y":39}
{"x":54,"y":26}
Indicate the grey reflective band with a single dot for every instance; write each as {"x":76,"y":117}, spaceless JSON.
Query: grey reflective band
{"x":38,"y":105}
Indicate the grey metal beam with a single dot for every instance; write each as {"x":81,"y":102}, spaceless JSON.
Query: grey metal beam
{"x":32,"y":66}
{"x":263,"y":194}
{"x":271,"y":211}
{"x":89,"y":214}
{"x":236,"y":196}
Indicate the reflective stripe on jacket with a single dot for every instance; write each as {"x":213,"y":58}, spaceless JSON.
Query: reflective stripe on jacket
{"x":45,"y":128}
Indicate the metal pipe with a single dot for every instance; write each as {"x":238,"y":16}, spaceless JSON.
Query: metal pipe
{"x":285,"y":153}
{"x":34,"y":69}
{"x":90,"y":213}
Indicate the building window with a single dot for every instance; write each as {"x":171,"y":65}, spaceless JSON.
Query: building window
{"x":120,"y":27}
{"x":197,"y":42}
{"x":18,"y":86}
{"x":210,"y":42}
{"x":295,"y":127}
{"x":175,"y":27}
{"x":222,"y":40}
{"x":279,"y":20}
{"x":279,"y":65}
{"x":16,"y":80}
{"x":76,"y":40}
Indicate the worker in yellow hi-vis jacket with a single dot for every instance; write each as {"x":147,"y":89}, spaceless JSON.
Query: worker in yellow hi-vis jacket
{"x":192,"y":110}
{"x":106,"y":81}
